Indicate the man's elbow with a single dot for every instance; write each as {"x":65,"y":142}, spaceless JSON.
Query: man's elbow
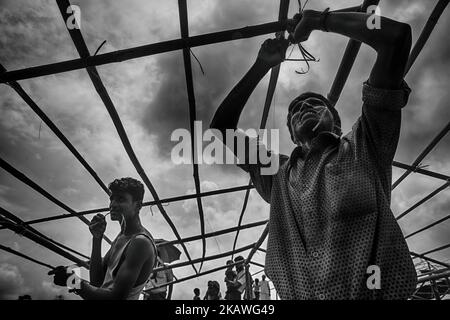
{"x":403,"y":36}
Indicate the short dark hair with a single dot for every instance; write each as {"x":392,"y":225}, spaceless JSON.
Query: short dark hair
{"x":238,"y":258}
{"x":197,"y":291}
{"x":309,"y":94}
{"x":129,"y":185}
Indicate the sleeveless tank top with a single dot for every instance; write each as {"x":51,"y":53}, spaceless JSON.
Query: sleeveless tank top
{"x":115,"y":259}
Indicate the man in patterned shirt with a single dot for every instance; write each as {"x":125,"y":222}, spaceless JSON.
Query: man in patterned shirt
{"x":330,"y":217}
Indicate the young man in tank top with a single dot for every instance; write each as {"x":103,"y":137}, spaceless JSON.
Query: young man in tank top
{"x":123,"y":272}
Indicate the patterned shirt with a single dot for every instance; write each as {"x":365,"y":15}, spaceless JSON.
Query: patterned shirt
{"x":330,"y":216}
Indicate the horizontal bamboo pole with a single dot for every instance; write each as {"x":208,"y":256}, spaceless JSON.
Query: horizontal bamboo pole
{"x":47,"y":244}
{"x":145,"y":204}
{"x":17,"y":253}
{"x":143,"y":51}
{"x":218,"y":233}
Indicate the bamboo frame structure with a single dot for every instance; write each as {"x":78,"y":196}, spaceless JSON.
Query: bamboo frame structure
{"x":83,"y":51}
{"x":186,"y":42}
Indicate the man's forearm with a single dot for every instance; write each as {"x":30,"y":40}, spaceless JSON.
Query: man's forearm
{"x":354,"y":26}
{"x":228,"y":113}
{"x":96,"y":275}
{"x":89,"y":292}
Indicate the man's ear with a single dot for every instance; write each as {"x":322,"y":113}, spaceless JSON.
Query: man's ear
{"x":139,"y":205}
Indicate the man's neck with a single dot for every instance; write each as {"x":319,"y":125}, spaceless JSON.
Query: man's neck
{"x":131,"y":227}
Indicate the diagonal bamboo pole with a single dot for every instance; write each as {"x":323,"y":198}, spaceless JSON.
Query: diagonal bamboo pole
{"x":428,"y":197}
{"x":424,"y":153}
{"x":436,"y":249}
{"x":18,"y":88}
{"x":34,"y":237}
{"x":20,"y":176}
{"x":17,"y":253}
{"x":20,"y":222}
{"x":422,"y":256}
{"x":428,"y":226}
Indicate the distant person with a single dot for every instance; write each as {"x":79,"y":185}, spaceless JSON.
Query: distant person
{"x":264,"y":288}
{"x":232,"y":292}
{"x":213,"y":292}
{"x":196,"y":294}
{"x":244,"y":279}
{"x":156,"y":280}
{"x":256,"y":289}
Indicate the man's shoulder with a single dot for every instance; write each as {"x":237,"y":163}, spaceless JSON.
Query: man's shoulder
{"x":143,"y":241}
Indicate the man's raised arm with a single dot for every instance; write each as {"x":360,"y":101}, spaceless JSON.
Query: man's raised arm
{"x":271,"y":54}
{"x":392,"y":41}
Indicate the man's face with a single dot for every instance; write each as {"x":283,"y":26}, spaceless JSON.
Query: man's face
{"x":309,"y":118}
{"x":122,"y":205}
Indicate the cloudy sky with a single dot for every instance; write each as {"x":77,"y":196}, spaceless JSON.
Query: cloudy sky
{"x":150,"y":96}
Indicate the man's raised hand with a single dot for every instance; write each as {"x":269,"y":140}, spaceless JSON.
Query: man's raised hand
{"x":305,"y":23}
{"x":60,"y":275}
{"x":97,"y":226}
{"x":273,"y":52}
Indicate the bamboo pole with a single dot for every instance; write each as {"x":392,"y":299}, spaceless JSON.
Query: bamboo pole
{"x":258,"y":244}
{"x":144,"y":204}
{"x":143,"y":51}
{"x":422,"y":256}
{"x":83,"y":51}
{"x":428,"y":197}
{"x":434,"y":277}
{"x":428,"y":226}
{"x":17,"y":253}
{"x":426,"y":32}
{"x":45,"y":243}
{"x":184,"y":28}
{"x":436,"y":249}
{"x":217,"y":233}
{"x":20,"y":222}
{"x":423,"y":154}
{"x":17,"y":87}
{"x":282,"y":15}
{"x":421,"y":171}
{"x":350,"y":54}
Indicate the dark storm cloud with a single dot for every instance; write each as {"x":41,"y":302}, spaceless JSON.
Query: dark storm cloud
{"x":223,"y":64}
